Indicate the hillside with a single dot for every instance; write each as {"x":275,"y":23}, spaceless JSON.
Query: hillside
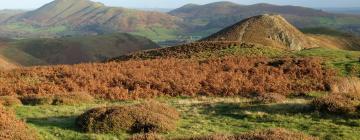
{"x":73,"y":50}
{"x":265,"y":36}
{"x":212,"y":17}
{"x":6,"y":65}
{"x":63,"y":17}
{"x":5,"y":14}
{"x":268,"y":30}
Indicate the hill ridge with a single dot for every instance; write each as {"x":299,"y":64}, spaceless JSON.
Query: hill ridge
{"x":69,"y":17}
{"x":268,"y":30}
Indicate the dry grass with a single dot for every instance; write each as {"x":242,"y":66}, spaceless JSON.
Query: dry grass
{"x":338,"y":103}
{"x":13,"y":129}
{"x":346,"y":85}
{"x":343,"y":99}
{"x":270,"y":134}
{"x":270,"y":98}
{"x":231,"y":76}
{"x":149,"y":117}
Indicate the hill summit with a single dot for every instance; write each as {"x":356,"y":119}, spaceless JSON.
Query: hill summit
{"x":268,"y":30}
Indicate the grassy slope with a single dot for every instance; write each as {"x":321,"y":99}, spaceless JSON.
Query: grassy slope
{"x":347,"y":62}
{"x":72,"y":50}
{"x":202,"y":116}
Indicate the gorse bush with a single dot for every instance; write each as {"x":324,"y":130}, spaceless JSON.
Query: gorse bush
{"x":173,"y":77}
{"x":270,"y":134}
{"x":148,"y":117}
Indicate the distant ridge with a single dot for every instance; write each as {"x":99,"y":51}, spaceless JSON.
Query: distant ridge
{"x":262,"y":35}
{"x":212,"y":17}
{"x":73,"y":50}
{"x":89,"y":17}
{"x":268,"y":30}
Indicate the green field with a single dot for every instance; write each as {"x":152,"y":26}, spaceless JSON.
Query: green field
{"x":203,"y":116}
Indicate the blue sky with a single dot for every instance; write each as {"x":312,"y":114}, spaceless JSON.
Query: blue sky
{"x":32,"y":4}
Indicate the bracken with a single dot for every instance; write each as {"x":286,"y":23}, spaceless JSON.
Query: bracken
{"x":13,"y":129}
{"x":337,"y":103}
{"x":229,"y":76}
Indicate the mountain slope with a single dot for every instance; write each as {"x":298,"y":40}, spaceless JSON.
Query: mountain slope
{"x":87,"y":17}
{"x":268,"y":30}
{"x":72,"y":50}
{"x":212,"y":17}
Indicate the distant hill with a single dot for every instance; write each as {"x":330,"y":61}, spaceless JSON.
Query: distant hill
{"x":73,"y":50}
{"x":349,"y":10}
{"x":64,"y":17}
{"x":268,"y":30}
{"x":84,"y":17}
{"x":5,"y":14}
{"x":263,"y":35}
{"x":212,"y":17}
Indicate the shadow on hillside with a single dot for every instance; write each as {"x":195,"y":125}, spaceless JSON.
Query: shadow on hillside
{"x":233,"y":110}
{"x":62,"y":122}
{"x":257,"y":111}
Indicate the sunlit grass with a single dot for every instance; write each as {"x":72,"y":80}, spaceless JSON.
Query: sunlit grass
{"x":203,"y":116}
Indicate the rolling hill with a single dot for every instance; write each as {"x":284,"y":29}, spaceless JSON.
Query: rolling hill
{"x":268,"y":30}
{"x":68,"y":17}
{"x":73,"y":50}
{"x":209,"y":18}
{"x":263,"y":35}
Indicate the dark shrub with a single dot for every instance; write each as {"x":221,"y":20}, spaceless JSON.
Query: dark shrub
{"x":146,"y":117}
{"x":337,"y":103}
{"x":72,"y":98}
{"x":57,"y":99}
{"x":36,"y":100}
{"x":270,"y":98}
{"x":146,"y":136}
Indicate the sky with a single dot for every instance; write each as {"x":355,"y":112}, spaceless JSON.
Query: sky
{"x":170,"y":4}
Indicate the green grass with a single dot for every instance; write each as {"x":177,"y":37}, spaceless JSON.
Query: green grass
{"x":347,"y":62}
{"x":157,"y":33}
{"x":203,"y":116}
{"x":28,"y":28}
